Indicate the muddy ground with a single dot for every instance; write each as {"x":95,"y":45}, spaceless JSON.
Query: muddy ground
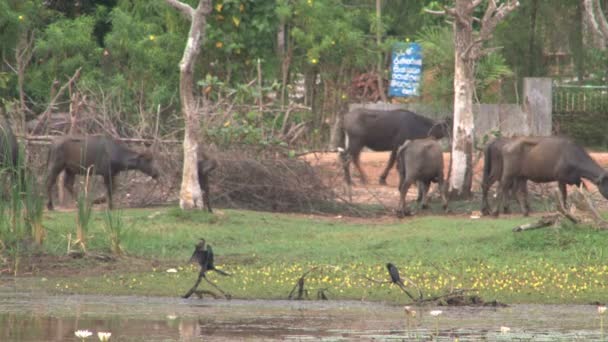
{"x":373,"y":163}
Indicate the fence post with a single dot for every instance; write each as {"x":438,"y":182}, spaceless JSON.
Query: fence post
{"x":537,"y":104}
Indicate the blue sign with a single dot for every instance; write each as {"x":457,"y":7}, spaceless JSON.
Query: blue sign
{"x":406,"y":70}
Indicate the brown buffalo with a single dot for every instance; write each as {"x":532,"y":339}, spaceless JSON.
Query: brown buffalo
{"x":492,"y":173}
{"x":384,"y":131}
{"x":420,"y":161}
{"x":96,"y":155}
{"x":548,"y":159}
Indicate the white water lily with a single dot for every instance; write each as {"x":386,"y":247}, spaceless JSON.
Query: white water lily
{"x":172,"y":270}
{"x":171,"y":317}
{"x":601,"y":309}
{"x":504,"y":330}
{"x":409,"y":311}
{"x":436,"y":313}
{"x":82,"y":334}
{"x":104,"y":336}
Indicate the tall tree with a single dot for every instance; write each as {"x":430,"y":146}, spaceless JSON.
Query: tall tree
{"x":596,"y":21}
{"x":190,"y":196}
{"x":469,"y":48}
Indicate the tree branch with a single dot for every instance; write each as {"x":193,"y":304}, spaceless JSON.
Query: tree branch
{"x":434,"y":12}
{"x":474,"y":4}
{"x":44,"y":116}
{"x":601,"y":19}
{"x":182,"y":7}
{"x":494,"y":15}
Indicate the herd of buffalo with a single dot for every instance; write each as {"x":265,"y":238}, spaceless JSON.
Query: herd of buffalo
{"x":413,"y":141}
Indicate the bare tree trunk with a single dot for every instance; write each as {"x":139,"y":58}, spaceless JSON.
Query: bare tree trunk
{"x":23,"y":56}
{"x":464,"y":125}
{"x":532,"y":41}
{"x":469,"y":49}
{"x":190,"y":196}
{"x":378,"y":42}
{"x":595,"y":22}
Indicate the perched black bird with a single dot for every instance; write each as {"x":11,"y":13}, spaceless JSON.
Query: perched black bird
{"x":396,"y":279}
{"x":203,"y":255}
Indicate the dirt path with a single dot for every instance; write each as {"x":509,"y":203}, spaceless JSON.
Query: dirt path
{"x":373,"y":163}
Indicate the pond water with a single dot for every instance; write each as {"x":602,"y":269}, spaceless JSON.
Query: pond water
{"x":41,"y":317}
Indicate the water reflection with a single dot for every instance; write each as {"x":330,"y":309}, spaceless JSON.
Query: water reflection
{"x":38,"y":317}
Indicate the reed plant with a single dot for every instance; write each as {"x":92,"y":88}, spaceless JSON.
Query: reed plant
{"x":85,"y":206}
{"x":114,"y":224}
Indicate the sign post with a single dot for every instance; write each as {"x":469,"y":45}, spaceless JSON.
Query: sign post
{"x":406,"y":70}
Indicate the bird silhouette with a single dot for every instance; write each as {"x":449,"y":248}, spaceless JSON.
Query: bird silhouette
{"x":203,"y":255}
{"x":393,"y":271}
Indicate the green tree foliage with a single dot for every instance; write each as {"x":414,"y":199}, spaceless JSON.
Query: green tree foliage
{"x":240,"y":32}
{"x":129,"y":50}
{"x":64,"y":46}
{"x":438,"y":72}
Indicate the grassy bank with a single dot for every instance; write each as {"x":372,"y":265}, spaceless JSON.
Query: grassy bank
{"x":268,"y":252}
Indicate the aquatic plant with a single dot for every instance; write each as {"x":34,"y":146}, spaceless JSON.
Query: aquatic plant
{"x":436,"y":314}
{"x":601,"y":309}
{"x":82,"y":334}
{"x":104,"y":336}
{"x":34,"y":209}
{"x":85,"y":205}
{"x":114,"y":227}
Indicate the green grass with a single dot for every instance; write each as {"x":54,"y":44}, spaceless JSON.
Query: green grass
{"x":267,"y":253}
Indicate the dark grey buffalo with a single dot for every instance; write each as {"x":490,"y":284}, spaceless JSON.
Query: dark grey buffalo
{"x":420,"y":161}
{"x":492,"y":173}
{"x":548,"y":159}
{"x":384,"y":131}
{"x":205,"y":166}
{"x":97,"y":155}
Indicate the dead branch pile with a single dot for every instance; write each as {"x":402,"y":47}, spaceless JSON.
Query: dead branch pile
{"x":581,"y":211}
{"x":269,"y":184}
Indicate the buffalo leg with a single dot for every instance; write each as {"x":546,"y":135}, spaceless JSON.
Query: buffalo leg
{"x":68,"y":182}
{"x":522,"y":197}
{"x":563,"y":195}
{"x":420,"y":197}
{"x":54,"y":171}
{"x":423,"y":189}
{"x":505,"y":185}
{"x":357,"y":161}
{"x":511,"y":194}
{"x":109,"y":182}
{"x":405,"y":186}
{"x":485,"y":188}
{"x":203,"y":181}
{"x":391,"y":162}
{"x":523,"y":187}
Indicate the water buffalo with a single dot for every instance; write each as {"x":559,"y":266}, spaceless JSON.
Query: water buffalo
{"x":420,"y":161}
{"x":205,"y":166}
{"x":384,"y":131}
{"x":548,"y":159}
{"x":492,"y":173}
{"x":104,"y":156}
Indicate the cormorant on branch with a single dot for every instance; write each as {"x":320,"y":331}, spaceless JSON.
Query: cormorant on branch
{"x":396,"y":279}
{"x":203,"y":255}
